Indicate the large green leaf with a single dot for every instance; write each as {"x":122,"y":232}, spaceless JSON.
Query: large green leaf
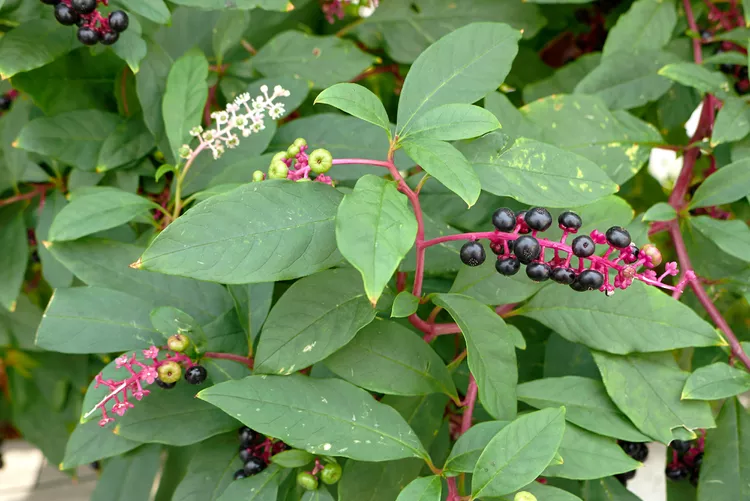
{"x":547,"y":493}
{"x":130,"y":141}
{"x":211,"y":469}
{"x":716,"y":381}
{"x":733,"y":237}
{"x":228,"y":32}
{"x":518,"y":453}
{"x":647,"y":388}
{"x":261,"y":487}
{"x":16,"y":165}
{"x":607,"y":489}
{"x":155,"y":10}
{"x":422,"y":489}
{"x":469,"y":446}
{"x":314,"y":318}
{"x":726,"y":185}
{"x":648,"y":24}
{"x":491,"y":353}
{"x":130,"y":476}
{"x":461,"y":67}
{"x":732,"y":122}
{"x":696,"y":76}
{"x":563,"y":81}
{"x":451,"y":122}
{"x":14,"y":257}
{"x":90,"y":442}
{"x":487,"y":286}
{"x":586,"y":404}
{"x":375,"y":228}
{"x":33,"y":44}
{"x":150,"y":85}
{"x":235,"y":237}
{"x":638,"y":319}
{"x":385,"y":357}
{"x":358,"y":101}
{"x":236,"y":4}
{"x":53,"y":271}
{"x":339,"y":418}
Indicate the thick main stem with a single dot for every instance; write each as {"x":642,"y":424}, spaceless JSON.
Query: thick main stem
{"x":230,"y":356}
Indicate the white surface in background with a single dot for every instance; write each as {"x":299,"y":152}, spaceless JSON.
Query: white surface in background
{"x":650,"y":483}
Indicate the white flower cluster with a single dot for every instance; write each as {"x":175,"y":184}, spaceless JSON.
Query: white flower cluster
{"x":243,"y":116}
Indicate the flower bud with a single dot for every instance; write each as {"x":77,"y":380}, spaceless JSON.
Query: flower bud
{"x":300,"y":142}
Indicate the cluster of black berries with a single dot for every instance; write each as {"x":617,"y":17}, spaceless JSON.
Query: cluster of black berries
{"x":92,"y":26}
{"x":637,"y":451}
{"x":255,"y":452}
{"x":686,"y":461}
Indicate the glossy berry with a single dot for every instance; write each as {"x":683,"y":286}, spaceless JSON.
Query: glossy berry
{"x":538,"y":218}
{"x":504,"y":219}
{"x":307,"y":481}
{"x":508,"y":266}
{"x":240,"y":474}
{"x":196,"y":374}
{"x":527,"y":249}
{"x":538,"y":272}
{"x":119,"y":21}
{"x":169,"y":372}
{"x":617,"y":236}
{"x":589,"y":280}
{"x":561,"y":275}
{"x":681,"y":446}
{"x":87,"y":36}
{"x":178,"y":343}
{"x":254,"y":465}
{"x":624,"y":477}
{"x":641,"y":452}
{"x":320,"y":161}
{"x":676,"y":472}
{"x":247,"y":436}
{"x":245,"y":454}
{"x":165,"y":386}
{"x":583,"y":246}
{"x":472,"y":254}
{"x":569,"y":220}
{"x":65,"y":15}
{"x":109,"y":38}
{"x":521,"y":216}
{"x":331,"y":473}
{"x":83,"y":6}
{"x":499,"y":248}
{"x":5,"y":103}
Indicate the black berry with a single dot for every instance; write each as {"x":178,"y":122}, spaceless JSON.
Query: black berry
{"x":109,"y":37}
{"x":565,"y":276}
{"x":472,"y":253}
{"x":5,"y":103}
{"x":508,"y":266}
{"x":504,"y":219}
{"x":247,"y":436}
{"x":538,"y":272}
{"x":240,"y":474}
{"x":681,"y":446}
{"x":676,"y":472}
{"x":119,"y":21}
{"x":538,"y":218}
{"x":499,"y":248}
{"x":569,"y":220}
{"x":641,"y":452}
{"x":163,"y":385}
{"x":583,"y":246}
{"x":83,"y":6}
{"x":65,"y":15}
{"x":196,"y":374}
{"x":51,"y":2}
{"x":624,"y":477}
{"x":698,"y":461}
{"x":617,"y":236}
{"x":245,"y":454}
{"x":588,"y":280}
{"x":254,"y":465}
{"x":527,"y":249}
{"x":88,"y":36}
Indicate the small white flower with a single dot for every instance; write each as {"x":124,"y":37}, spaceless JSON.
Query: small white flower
{"x":221,"y":117}
{"x":276,"y":110}
{"x":233,"y":141}
{"x":366,"y":11}
{"x":242,"y":98}
{"x":239,"y":121}
{"x":209,"y":135}
{"x":185,"y":151}
{"x":196,"y":131}
{"x":264,"y":89}
{"x":233,"y":108}
{"x":664,"y":166}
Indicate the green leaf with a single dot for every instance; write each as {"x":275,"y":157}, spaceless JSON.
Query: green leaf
{"x":294,"y":458}
{"x":487,"y":286}
{"x":446,"y":164}
{"x":261,"y":487}
{"x":74,"y":138}
{"x":228,"y":32}
{"x":725,"y":472}
{"x":375,"y":228}
{"x":155,"y":10}
{"x":130,"y":476}
{"x":451,"y":122}
{"x":404,"y":305}
{"x":340,"y":420}
{"x":461,"y":67}
{"x":518,"y":453}
{"x":732,"y":122}
{"x":18,"y":328}
{"x":715,"y":381}
{"x":315,"y":317}
{"x":586,"y":405}
{"x":150,"y":85}
{"x":323,"y":60}
{"x":661,"y":211}
{"x":697,"y":77}
{"x":385,"y":357}
{"x":234,"y":237}
{"x":53,"y":271}
{"x":90,"y":442}
{"x":638,"y":319}
{"x":648,"y":24}
{"x":357,"y":101}
{"x":525,"y":171}
{"x":170,"y":321}
{"x":184,"y":97}
{"x":97,"y":210}
{"x":211,"y":470}
{"x":728,"y":184}
{"x":131,"y":48}
{"x":733,"y":236}
{"x":252,"y":302}
{"x":469,"y":446}
{"x":647,"y":387}
{"x":589,"y":456}
{"x":491,"y":354}
{"x":14,"y":257}
{"x":607,"y":489}
{"x":548,"y":493}
{"x":563,"y":80}
{"x":130,"y":141}
{"x":422,"y":489}
{"x":33,"y":44}
{"x":627,"y":80}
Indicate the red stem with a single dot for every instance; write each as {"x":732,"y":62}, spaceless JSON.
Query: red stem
{"x":693,"y":26}
{"x":39,"y":189}
{"x":229,"y":356}
{"x":453,"y":494}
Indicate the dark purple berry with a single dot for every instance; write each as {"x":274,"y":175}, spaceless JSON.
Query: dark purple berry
{"x":583,"y":246}
{"x":504,"y":219}
{"x":109,"y":37}
{"x":499,"y":248}
{"x":624,"y":477}
{"x":196,"y":374}
{"x":589,"y":280}
{"x":538,"y":272}
{"x":508,"y":266}
{"x":165,"y":386}
{"x":472,"y":254}
{"x":569,"y":221}
{"x":698,"y":460}
{"x":254,"y":465}
{"x":247,"y":436}
{"x":88,"y":36}
{"x":527,"y":249}
{"x":240,"y":474}
{"x":641,"y":453}
{"x":245,"y":454}
{"x":83,"y":6}
{"x":51,"y":2}
{"x":681,"y":446}
{"x":676,"y":472}
{"x":538,"y":218}
{"x":65,"y":15}
{"x":561,"y":275}
{"x":617,"y":236}
{"x":119,"y":21}
{"x":5,"y":103}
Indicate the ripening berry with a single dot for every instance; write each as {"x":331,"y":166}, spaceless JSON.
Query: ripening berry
{"x":169,"y":372}
{"x":279,"y":156}
{"x":65,"y":15}
{"x":583,"y":246}
{"x":165,"y":386}
{"x":570,"y":221}
{"x":88,"y":36}
{"x":504,"y":219}
{"x":588,"y":280}
{"x":527,"y":249}
{"x":254,"y":465}
{"x":196,"y":374}
{"x":178,"y":343}
{"x":508,"y":266}
{"x":331,"y":473}
{"x":561,"y":275}
{"x":240,"y":474}
{"x":258,"y":176}
{"x":307,"y":481}
{"x":651,"y":251}
{"x":247,"y":436}
{"x":538,"y":218}
{"x":278,"y":170}
{"x":472,"y":254}
{"x":538,"y":272}
{"x":677,"y":472}
{"x":320,"y":161}
{"x":617,"y":236}
{"x":83,"y":6}
{"x":109,"y":37}
{"x":119,"y":21}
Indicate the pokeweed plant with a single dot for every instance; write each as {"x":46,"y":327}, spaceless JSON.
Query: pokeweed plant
{"x":378,"y":251}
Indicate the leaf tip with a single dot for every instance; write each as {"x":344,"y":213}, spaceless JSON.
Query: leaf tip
{"x":289,"y":7}
{"x":13,"y":306}
{"x":137,"y":265}
{"x":47,"y":244}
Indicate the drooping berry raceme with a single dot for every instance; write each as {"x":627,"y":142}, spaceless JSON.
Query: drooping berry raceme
{"x":93,"y":27}
{"x":687,"y":458}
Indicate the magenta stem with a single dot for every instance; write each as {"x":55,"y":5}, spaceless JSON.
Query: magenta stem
{"x":469,"y":402}
{"x":229,"y":356}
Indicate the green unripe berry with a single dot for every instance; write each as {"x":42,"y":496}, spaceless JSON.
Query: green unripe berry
{"x":169,"y":372}
{"x":300,"y":142}
{"x":178,"y":343}
{"x":159,"y":157}
{"x":292,"y":151}
{"x":258,"y":176}
{"x":307,"y":481}
{"x":331,"y":473}
{"x":279,"y":156}
{"x":278,"y":170}
{"x":320,"y":161}
{"x":524,"y":496}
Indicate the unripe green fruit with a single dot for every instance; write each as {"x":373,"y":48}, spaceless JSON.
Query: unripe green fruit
{"x":307,"y":481}
{"x":258,"y":176}
{"x":300,"y":142}
{"x":320,"y":161}
{"x":279,"y":156}
{"x":278,"y":170}
{"x":524,"y":496}
{"x":331,"y":473}
{"x":292,"y":151}
{"x":178,"y":343}
{"x":169,"y":372}
{"x":159,"y":157}
{"x":651,"y":251}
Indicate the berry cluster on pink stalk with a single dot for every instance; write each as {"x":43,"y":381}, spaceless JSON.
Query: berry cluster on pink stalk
{"x":296,"y":165}
{"x":93,"y":27}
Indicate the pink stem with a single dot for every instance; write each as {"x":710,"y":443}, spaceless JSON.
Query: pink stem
{"x":693,"y":26}
{"x":453,"y":494}
{"x":469,"y":401}
{"x":361,"y":161}
{"x":229,"y":356}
